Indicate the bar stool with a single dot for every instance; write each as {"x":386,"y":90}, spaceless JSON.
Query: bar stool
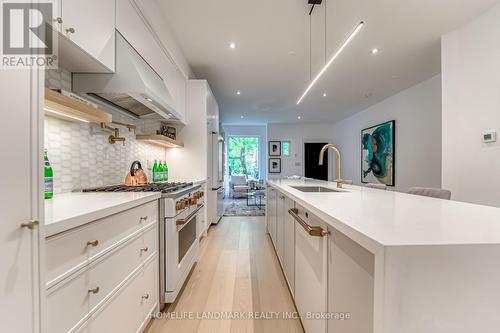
{"x":431,"y":192}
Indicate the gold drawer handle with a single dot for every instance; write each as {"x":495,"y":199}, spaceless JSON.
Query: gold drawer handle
{"x":311,"y":230}
{"x":30,"y":225}
{"x":94,"y":242}
{"x":143,"y":218}
{"x":145,"y":296}
{"x":94,"y":290}
{"x":144,"y":249}
{"x":58,"y":20}
{"x":70,"y":30}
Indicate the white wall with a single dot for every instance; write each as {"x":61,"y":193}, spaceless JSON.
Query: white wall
{"x":298,"y":134}
{"x":249,"y":130}
{"x":417,"y":112}
{"x":471,"y":105}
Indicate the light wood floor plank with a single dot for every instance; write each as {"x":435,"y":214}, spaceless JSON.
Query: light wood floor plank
{"x":238,"y":272}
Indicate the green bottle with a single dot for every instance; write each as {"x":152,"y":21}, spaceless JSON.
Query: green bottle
{"x":49,"y":177}
{"x":155,"y":172}
{"x":166,"y":171}
{"x":162,"y":171}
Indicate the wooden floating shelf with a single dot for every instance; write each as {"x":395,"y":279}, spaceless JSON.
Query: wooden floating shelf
{"x":160,"y":140}
{"x":63,"y":107}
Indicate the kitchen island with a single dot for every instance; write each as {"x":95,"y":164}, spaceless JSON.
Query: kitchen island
{"x":366,"y":260}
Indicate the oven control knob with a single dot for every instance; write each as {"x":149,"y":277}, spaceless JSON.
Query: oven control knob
{"x":192,"y":201}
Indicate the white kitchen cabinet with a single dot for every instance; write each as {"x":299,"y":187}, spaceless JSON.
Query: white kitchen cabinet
{"x":271,"y":214}
{"x":350,"y":285}
{"x":289,"y":245}
{"x":280,"y":217}
{"x":91,"y":25}
{"x":20,"y":201}
{"x":311,"y":270}
{"x":106,"y":277}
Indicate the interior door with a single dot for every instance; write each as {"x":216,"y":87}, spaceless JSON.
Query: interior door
{"x":312,"y":169}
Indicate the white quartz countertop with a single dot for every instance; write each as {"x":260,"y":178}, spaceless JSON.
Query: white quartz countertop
{"x":385,"y":218}
{"x":70,"y":210}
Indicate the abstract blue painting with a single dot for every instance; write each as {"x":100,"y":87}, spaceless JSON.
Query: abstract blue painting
{"x":377,"y":154}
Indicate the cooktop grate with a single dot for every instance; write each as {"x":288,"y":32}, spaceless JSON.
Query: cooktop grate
{"x":151,"y":187}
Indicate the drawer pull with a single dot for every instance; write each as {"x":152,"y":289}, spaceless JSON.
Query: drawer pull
{"x":30,"y":225}
{"x":144,"y":249}
{"x":58,"y":20}
{"x":70,"y":30}
{"x":143,"y":218}
{"x":311,"y":230}
{"x":94,"y":242}
{"x":145,"y":296}
{"x":94,"y":290}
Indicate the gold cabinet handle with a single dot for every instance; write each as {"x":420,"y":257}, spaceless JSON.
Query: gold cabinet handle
{"x":94,"y":290}
{"x":58,"y":20}
{"x":311,"y":230}
{"x":145,"y":296}
{"x":144,"y":249}
{"x":94,"y":242}
{"x":30,"y":225}
{"x":70,"y":30}
{"x":143,"y":218}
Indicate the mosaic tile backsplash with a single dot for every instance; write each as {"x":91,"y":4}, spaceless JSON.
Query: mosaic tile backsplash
{"x":80,"y":154}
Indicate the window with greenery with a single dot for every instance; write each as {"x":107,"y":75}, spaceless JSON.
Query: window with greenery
{"x":243,"y":156}
{"x":285,"y":148}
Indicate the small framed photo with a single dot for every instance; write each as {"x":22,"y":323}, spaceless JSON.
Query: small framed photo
{"x":275,"y":165}
{"x":274,"y":148}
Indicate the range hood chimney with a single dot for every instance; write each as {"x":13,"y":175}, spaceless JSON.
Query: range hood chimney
{"x":135,"y":87}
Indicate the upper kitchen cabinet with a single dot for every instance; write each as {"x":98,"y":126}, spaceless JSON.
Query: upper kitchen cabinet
{"x":134,"y":26}
{"x":86,"y":35}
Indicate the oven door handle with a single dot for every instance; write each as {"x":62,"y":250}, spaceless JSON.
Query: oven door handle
{"x":190,"y":216}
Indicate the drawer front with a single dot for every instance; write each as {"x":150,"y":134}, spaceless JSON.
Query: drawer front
{"x":151,"y":292}
{"x":69,"y":304}
{"x":110,"y":272}
{"x":69,"y":250}
{"x":129,"y":309}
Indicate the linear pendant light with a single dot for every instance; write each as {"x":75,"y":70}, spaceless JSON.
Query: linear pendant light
{"x":332,"y":59}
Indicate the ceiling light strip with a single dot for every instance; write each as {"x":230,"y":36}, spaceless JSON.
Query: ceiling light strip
{"x":332,"y":59}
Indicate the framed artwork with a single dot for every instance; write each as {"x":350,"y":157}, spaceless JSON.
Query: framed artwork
{"x":274,"y":165}
{"x":377,"y":154}
{"x":285,"y":148}
{"x":274,"y":148}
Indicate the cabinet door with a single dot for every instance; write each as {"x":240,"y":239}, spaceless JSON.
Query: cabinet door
{"x":93,"y":22}
{"x":272,"y":215}
{"x":310,"y":272}
{"x":289,"y":245}
{"x":350,"y":285}
{"x":21,"y":201}
{"x":280,"y":216}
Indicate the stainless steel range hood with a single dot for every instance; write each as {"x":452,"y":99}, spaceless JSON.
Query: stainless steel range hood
{"x":135,"y":87}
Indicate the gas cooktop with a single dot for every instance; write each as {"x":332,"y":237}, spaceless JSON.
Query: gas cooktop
{"x":151,"y":187}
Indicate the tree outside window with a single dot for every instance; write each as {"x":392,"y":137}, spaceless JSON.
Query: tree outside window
{"x":243,"y":156}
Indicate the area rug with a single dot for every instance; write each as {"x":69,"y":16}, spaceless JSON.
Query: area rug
{"x":238,"y":207}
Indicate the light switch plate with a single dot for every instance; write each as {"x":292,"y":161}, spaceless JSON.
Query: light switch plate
{"x":490,"y":136}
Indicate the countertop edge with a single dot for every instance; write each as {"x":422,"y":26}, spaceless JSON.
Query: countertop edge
{"x":69,"y":223}
{"x":368,"y":243}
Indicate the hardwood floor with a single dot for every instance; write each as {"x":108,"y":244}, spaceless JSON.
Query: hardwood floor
{"x":237,"y":274}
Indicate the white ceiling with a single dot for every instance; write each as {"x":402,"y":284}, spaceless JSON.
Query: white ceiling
{"x":271,"y":80}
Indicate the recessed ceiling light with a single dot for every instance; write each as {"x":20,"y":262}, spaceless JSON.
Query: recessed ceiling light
{"x":324,"y":95}
{"x":148,"y":99}
{"x":375,"y":51}
{"x":299,"y":117}
{"x":332,"y":59}
{"x":242,"y":117}
{"x":238,"y":92}
{"x":232,"y":45}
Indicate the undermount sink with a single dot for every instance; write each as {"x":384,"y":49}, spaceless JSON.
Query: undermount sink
{"x":316,"y":189}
